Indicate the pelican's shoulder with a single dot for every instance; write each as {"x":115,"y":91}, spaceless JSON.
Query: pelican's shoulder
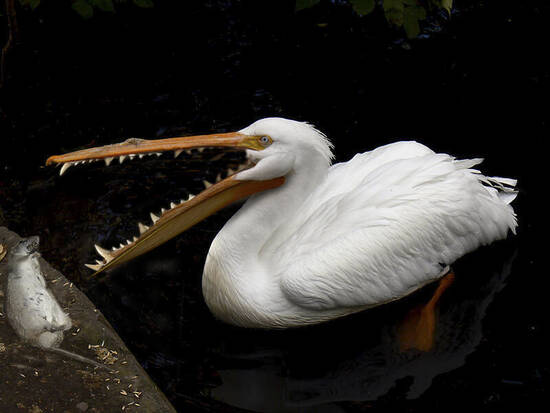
{"x":366,"y":162}
{"x":390,"y":152}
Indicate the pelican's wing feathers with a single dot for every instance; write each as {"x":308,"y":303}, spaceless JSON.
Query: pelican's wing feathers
{"x":385,"y":223}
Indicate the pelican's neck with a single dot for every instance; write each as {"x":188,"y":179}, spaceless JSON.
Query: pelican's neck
{"x":250,"y":228}
{"x":237,"y":281}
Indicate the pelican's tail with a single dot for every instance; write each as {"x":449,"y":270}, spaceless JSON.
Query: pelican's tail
{"x":502,"y":191}
{"x":505,"y":187}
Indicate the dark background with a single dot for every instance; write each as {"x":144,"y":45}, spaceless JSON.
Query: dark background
{"x":474,"y":85}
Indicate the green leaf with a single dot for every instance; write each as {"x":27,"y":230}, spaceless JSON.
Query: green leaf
{"x":83,"y":8}
{"x":305,"y":4}
{"x":105,"y":5}
{"x":33,"y":4}
{"x":418,"y":11}
{"x":410,"y":23}
{"x":411,"y":20}
{"x":394,"y":10}
{"x":146,"y":4}
{"x":363,"y":7}
{"x":447,"y":5}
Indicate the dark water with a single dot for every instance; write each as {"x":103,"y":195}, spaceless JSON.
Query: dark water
{"x":474,"y":86}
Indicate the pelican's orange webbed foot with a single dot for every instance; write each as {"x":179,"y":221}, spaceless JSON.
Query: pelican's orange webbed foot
{"x":417,"y":331}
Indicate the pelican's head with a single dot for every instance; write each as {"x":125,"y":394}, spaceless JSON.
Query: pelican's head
{"x":273,"y":146}
{"x":289,"y":138}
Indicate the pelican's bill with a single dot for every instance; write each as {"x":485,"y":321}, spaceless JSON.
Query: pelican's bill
{"x":179,"y":216}
{"x":142,"y":147}
{"x":182,"y":217}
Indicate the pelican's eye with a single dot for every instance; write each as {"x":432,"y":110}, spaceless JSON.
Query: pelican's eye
{"x":265,"y":141}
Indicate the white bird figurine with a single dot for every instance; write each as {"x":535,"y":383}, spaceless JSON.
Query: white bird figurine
{"x":319,"y":241}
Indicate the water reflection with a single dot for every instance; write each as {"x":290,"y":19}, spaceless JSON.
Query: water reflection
{"x":357,"y":359}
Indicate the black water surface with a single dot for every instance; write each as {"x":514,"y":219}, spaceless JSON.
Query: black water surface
{"x":474,"y":86}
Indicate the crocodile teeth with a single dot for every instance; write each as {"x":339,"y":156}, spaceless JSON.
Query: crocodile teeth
{"x":206,"y":184}
{"x":191,"y":196}
{"x":104,"y":253}
{"x":128,"y":242}
{"x":108,"y":161}
{"x":218,"y":178}
{"x":121,"y":158}
{"x":177,"y":153}
{"x":172,"y":205}
{"x":64,"y":167}
{"x":230,"y":171}
{"x":154,"y":218}
{"x":158,"y":153}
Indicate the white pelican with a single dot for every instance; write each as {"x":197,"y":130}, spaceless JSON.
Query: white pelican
{"x":321,"y":241}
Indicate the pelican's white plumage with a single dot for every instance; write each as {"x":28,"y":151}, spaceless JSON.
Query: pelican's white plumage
{"x":337,"y":239}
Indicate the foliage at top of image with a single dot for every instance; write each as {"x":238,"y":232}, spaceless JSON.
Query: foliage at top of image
{"x":85,"y":8}
{"x":400,"y":13}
